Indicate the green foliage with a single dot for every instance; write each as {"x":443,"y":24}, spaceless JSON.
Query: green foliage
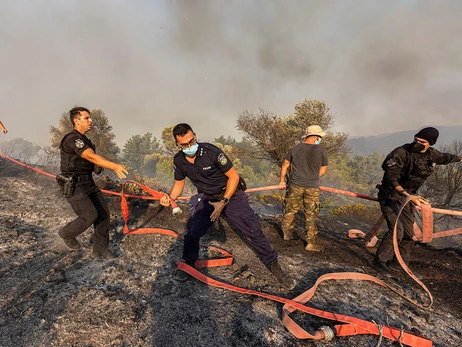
{"x":141,"y":153}
{"x":131,"y":188}
{"x":249,"y":176}
{"x":164,"y":170}
{"x":101,"y":134}
{"x":270,"y":198}
{"x":230,"y":141}
{"x":256,"y":170}
{"x":366,"y":170}
{"x":150,"y":164}
{"x":360,"y":175}
{"x":168,"y":141}
{"x":358,"y":211}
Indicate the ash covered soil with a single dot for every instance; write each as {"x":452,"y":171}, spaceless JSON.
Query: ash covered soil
{"x":51,"y":296}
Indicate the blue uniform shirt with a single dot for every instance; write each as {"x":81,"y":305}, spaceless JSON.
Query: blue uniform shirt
{"x":208,"y":171}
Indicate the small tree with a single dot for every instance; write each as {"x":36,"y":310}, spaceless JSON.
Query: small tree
{"x":315,"y":112}
{"x":274,"y":135}
{"x":226,"y":141}
{"x":48,"y":156}
{"x":136,"y":151}
{"x":168,"y":141}
{"x":101,"y":135}
{"x":271,"y":135}
{"x":164,"y":170}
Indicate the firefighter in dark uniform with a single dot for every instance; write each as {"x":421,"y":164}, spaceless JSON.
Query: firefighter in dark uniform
{"x":406,"y":169}
{"x":220,"y":191}
{"x":78,"y":161}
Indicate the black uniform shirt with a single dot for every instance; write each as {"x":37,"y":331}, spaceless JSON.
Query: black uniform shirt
{"x":410,"y":170}
{"x":72,"y":147}
{"x":77,"y":143}
{"x":208,"y":171}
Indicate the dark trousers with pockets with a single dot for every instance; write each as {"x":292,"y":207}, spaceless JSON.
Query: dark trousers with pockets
{"x":239,"y":213}
{"x":390,"y":204}
{"x":91,"y":209}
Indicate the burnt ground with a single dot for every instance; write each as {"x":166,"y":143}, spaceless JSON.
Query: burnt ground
{"x":54,"y":297}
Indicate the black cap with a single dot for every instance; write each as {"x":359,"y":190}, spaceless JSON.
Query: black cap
{"x":430,"y":134}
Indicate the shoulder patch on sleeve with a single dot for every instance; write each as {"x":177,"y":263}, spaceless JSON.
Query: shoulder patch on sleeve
{"x":222,"y":159}
{"x":391,"y":162}
{"x":79,"y":143}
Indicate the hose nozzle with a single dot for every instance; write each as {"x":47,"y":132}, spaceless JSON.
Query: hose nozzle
{"x":327,"y":332}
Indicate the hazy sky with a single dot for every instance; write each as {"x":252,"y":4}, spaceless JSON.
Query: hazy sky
{"x":382,"y":66}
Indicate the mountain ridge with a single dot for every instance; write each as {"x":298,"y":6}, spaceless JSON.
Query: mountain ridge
{"x":384,"y":143}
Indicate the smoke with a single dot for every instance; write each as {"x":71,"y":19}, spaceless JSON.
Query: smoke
{"x":381,"y":66}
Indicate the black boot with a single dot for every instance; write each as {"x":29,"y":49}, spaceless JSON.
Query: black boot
{"x":70,"y":242}
{"x":381,"y":267}
{"x":395,"y":266}
{"x":105,"y":254}
{"x":288,"y":235}
{"x":182,"y":276}
{"x":280,"y":275}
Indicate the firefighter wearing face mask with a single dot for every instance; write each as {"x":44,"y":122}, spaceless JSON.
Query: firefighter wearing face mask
{"x":220,"y":192}
{"x":405,"y":170}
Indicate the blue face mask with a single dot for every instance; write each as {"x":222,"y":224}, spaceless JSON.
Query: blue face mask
{"x":318,"y":141}
{"x":191,"y":151}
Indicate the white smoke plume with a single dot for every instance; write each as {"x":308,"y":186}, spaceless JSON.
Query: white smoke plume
{"x":383,"y":66}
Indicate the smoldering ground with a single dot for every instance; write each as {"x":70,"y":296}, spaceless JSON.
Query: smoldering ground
{"x":53,"y":297}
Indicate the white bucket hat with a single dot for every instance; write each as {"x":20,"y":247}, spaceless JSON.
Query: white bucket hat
{"x":313,"y":130}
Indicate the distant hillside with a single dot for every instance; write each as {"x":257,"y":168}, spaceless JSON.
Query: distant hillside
{"x":386,"y":142}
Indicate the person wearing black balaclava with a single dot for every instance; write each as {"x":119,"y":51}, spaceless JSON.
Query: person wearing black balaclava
{"x":405,"y":170}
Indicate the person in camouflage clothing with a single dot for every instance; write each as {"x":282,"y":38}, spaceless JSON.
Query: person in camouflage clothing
{"x":308,"y":162}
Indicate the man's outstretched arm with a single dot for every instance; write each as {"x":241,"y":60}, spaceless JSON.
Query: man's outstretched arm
{"x":3,"y":128}
{"x":91,"y":156}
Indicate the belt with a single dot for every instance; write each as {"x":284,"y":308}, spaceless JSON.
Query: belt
{"x":220,"y":195}
{"x":216,"y":196}
{"x":83,"y":178}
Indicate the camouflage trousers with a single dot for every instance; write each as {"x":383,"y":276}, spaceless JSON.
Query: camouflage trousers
{"x":296,"y":198}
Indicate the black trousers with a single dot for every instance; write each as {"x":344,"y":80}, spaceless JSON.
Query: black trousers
{"x":390,"y":204}
{"x":91,"y":209}
{"x":239,"y":213}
